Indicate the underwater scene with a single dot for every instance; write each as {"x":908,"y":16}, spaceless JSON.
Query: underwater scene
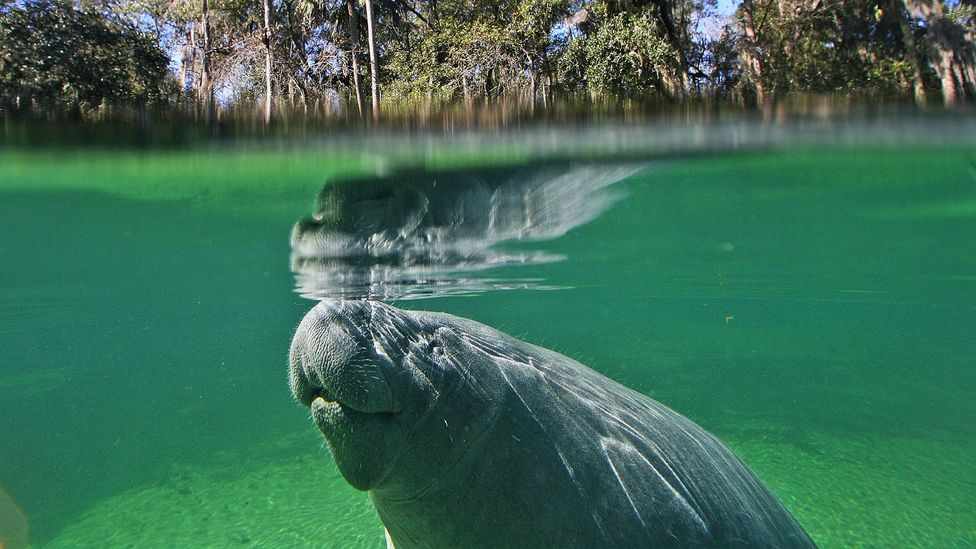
{"x":805,"y":293}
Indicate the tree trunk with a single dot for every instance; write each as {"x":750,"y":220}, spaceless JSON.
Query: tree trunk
{"x":189,"y":61}
{"x":206,"y":86}
{"x":943,"y":66}
{"x":373,"y":69}
{"x":532,"y":88}
{"x":546,"y":86}
{"x":354,"y":53}
{"x":267,"y":61}
{"x":908,"y":36}
{"x":949,"y":44}
{"x":750,"y":53}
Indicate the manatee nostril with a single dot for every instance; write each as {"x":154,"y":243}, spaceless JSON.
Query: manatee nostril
{"x":307,"y":390}
{"x":307,"y":384}
{"x":310,"y":387}
{"x":324,"y":393}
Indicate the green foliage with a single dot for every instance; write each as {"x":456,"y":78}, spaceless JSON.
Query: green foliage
{"x":721,"y":56}
{"x":846,"y":47}
{"x":53,"y":54}
{"x":473,"y":54}
{"x":533,"y":23}
{"x":78,"y":55}
{"x":429,"y":72}
{"x":626,"y":57}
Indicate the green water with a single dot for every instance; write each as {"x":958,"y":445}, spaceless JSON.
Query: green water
{"x":814,"y":308}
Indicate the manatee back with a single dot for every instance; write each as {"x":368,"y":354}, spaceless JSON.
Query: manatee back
{"x":576,"y":459}
{"x":656,"y":472}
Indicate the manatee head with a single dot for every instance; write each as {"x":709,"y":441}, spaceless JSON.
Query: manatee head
{"x":391,"y":391}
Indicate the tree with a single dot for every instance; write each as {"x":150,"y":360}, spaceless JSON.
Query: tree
{"x":532,"y":30}
{"x":373,"y":61}
{"x":458,"y":51}
{"x":267,"y":61}
{"x":915,"y":58}
{"x":620,"y":55}
{"x":276,"y":56}
{"x":206,"y":81}
{"x":55,"y":56}
{"x":750,"y":52}
{"x":950,"y":37}
{"x":354,"y":52}
{"x":865,"y":47}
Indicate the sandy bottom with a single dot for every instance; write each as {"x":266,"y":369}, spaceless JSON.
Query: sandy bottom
{"x":877,"y":492}
{"x":846,"y":494}
{"x":297,"y":502}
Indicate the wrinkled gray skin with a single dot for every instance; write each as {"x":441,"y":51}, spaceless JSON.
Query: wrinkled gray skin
{"x":466,"y":437}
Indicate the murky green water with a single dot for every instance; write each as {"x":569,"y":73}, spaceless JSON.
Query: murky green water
{"x":814,"y":308}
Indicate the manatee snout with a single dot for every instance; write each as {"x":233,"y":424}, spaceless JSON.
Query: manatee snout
{"x":333,"y":358}
{"x":346,"y":363}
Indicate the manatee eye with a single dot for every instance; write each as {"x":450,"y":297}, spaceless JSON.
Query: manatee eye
{"x":434,"y":347}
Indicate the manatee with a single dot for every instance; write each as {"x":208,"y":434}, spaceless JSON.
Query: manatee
{"x":466,"y":437}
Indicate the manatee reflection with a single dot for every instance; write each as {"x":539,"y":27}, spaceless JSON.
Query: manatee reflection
{"x":421,"y":234}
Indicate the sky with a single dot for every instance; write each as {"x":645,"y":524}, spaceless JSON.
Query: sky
{"x":726,"y":7}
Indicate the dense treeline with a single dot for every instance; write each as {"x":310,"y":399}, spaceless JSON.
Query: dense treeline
{"x":361,"y":58}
